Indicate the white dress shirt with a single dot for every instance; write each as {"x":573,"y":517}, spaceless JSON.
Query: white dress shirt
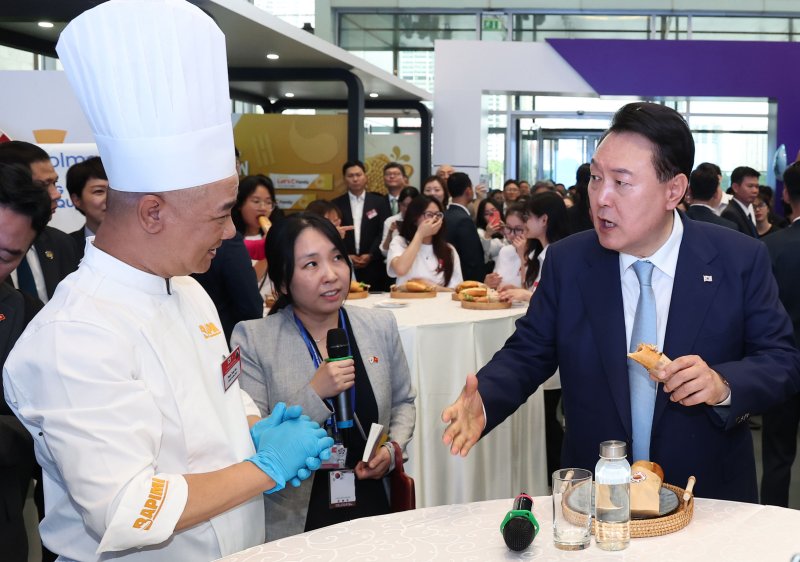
{"x":357,"y":208}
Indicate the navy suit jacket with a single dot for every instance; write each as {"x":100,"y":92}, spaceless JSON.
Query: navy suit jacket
{"x":701,"y":213}
{"x":724,"y":308}
{"x":463,"y":235}
{"x":784,"y":251}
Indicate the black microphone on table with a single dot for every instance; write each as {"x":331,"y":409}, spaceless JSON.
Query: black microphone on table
{"x":519,"y":527}
{"x":338,"y":350}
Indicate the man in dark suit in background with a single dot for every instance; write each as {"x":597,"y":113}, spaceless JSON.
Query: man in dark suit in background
{"x":703,"y":295}
{"x":779,"y":432}
{"x":706,"y":195}
{"x":744,"y":184}
{"x":461,"y":231}
{"x":365,"y":211}
{"x":24,"y":212}
{"x":53,"y":255}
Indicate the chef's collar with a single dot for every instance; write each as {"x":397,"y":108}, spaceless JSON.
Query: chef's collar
{"x":124,"y":274}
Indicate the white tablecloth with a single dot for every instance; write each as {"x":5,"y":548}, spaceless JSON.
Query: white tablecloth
{"x":719,"y":530}
{"x":443,"y":342}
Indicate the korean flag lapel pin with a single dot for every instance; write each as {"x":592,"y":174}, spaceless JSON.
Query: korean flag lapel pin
{"x":707,"y":279}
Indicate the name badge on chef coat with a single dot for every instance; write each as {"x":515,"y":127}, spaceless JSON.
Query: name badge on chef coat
{"x":343,"y":488}
{"x":231,"y":368}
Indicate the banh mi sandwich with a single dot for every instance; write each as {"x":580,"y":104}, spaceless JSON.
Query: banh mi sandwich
{"x":490,"y":295}
{"x":468,"y":285}
{"x":358,"y":287}
{"x":474,"y":292}
{"x":648,"y":356}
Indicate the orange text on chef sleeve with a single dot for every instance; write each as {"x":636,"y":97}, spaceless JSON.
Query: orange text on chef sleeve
{"x":152,"y":505}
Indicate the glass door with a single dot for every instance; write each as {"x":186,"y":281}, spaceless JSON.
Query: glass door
{"x":554,"y":154}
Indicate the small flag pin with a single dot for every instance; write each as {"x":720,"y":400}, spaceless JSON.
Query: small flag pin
{"x":707,"y":279}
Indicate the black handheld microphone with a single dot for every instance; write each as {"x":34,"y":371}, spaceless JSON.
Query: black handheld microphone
{"x":338,"y":349}
{"x":519,"y":527}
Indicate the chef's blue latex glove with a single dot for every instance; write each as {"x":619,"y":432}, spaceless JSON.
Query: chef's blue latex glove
{"x":279,"y":413}
{"x":290,"y":450}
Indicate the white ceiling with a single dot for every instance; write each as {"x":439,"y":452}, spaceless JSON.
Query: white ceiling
{"x":250,"y":34}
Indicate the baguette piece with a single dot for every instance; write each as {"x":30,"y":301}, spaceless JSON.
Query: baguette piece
{"x":648,"y":356}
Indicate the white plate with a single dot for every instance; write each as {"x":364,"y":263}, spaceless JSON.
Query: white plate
{"x":519,"y":304}
{"x":394,"y":303}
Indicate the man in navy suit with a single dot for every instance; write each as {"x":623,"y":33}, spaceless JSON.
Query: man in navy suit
{"x":461,"y":231}
{"x":706,"y":196}
{"x":779,"y":436}
{"x":365,"y":211}
{"x":717,"y":315}
{"x":744,"y":184}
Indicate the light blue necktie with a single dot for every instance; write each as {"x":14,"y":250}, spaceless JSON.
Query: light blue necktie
{"x":643,"y":390}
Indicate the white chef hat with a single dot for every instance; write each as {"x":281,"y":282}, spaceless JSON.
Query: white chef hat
{"x":152,"y":79}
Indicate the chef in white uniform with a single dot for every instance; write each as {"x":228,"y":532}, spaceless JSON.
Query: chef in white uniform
{"x":125,"y":379}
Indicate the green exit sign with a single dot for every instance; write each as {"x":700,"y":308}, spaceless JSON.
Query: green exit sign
{"x":492,"y":23}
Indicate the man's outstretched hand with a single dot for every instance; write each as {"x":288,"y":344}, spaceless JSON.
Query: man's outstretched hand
{"x":465,"y":419}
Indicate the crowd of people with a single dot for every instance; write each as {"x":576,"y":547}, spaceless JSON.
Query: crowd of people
{"x":165,"y":417}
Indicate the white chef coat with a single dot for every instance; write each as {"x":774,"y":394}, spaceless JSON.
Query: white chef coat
{"x":425,"y":264}
{"x":119,"y":381}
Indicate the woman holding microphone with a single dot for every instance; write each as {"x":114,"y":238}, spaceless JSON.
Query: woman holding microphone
{"x":284,"y":359}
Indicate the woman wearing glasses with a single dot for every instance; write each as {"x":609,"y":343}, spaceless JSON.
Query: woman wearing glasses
{"x":421,"y":250}
{"x":255,"y":199}
{"x":508,"y":263}
{"x":545,"y":223}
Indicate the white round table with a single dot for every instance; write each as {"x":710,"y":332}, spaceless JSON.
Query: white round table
{"x":443,"y":343}
{"x":719,"y":530}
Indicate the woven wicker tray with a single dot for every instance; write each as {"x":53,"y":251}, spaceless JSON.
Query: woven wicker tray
{"x":654,"y":527}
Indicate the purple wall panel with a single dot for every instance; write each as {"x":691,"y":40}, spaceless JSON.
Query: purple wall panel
{"x":693,"y":68}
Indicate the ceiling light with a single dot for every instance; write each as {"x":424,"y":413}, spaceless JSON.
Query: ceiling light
{"x":373,"y":94}
{"x":45,"y":24}
{"x":289,"y":94}
{"x":273,"y":56}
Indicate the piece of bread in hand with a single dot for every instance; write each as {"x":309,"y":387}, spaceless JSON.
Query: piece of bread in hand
{"x":648,"y":356}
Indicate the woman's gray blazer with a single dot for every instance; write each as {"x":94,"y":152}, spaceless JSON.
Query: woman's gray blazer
{"x":276,"y":367}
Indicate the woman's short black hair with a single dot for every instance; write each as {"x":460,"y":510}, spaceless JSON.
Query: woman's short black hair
{"x":280,"y":243}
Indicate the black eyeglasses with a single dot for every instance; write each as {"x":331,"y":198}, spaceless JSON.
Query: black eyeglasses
{"x":432,"y":215}
{"x":517,"y":230}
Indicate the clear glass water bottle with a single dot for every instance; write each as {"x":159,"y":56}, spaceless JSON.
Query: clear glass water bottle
{"x":612,"y":497}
